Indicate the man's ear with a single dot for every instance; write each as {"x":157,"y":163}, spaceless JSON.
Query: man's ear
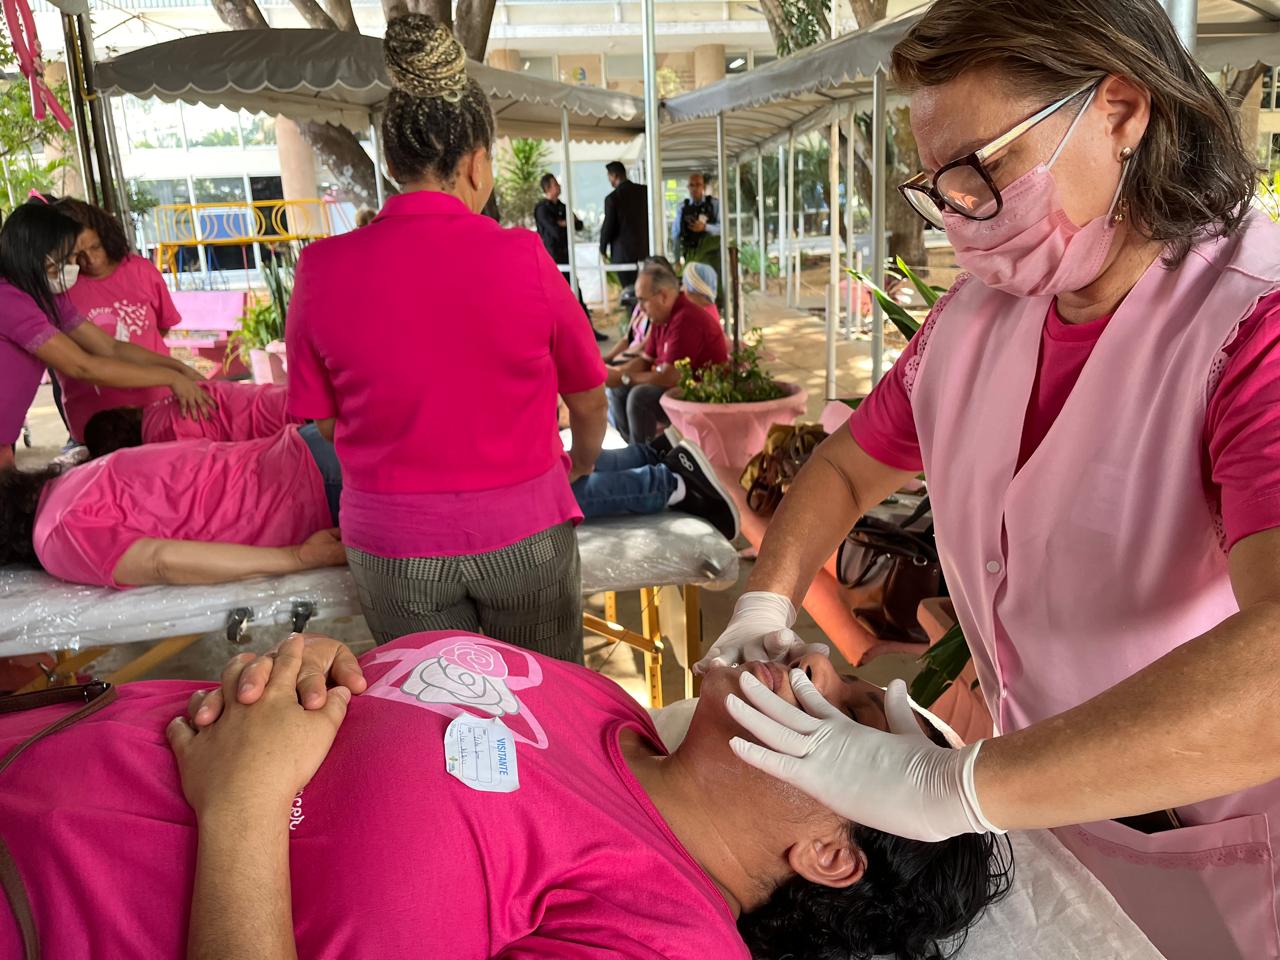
{"x":832,"y":859}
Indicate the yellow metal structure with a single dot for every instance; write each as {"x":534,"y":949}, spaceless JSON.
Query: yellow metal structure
{"x":238,"y":222}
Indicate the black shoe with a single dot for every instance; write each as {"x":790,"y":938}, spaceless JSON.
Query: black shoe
{"x":665,"y":442}
{"x":705,"y":496}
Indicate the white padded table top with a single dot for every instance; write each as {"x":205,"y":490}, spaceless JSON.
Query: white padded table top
{"x":40,"y":613}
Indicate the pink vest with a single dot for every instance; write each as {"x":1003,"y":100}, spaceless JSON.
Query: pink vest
{"x":1103,"y":553}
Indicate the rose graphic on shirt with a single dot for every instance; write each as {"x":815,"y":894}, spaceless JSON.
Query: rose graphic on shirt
{"x":470,"y":655}
{"x":438,"y":681}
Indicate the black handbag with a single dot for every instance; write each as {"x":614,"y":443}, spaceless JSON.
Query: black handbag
{"x":889,"y":568}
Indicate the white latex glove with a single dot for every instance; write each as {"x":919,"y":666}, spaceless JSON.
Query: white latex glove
{"x":898,"y":782}
{"x":760,"y":629}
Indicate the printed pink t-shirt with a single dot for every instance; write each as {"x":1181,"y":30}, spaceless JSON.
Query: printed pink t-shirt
{"x":264,"y":493}
{"x":390,"y":855}
{"x":24,"y":329}
{"x":132,"y":305}
{"x":1242,"y":421}
{"x":438,"y":340}
{"x":244,"y":411}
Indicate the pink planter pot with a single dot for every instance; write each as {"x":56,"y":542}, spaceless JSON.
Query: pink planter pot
{"x":733,"y":433}
{"x":268,"y":366}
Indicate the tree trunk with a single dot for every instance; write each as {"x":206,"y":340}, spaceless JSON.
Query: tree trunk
{"x":240,"y":14}
{"x":314,"y":15}
{"x":475,"y":17}
{"x":343,"y":15}
{"x":1244,"y":82}
{"x":439,"y":10}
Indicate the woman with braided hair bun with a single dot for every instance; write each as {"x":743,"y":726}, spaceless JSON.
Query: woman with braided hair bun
{"x":432,"y":345}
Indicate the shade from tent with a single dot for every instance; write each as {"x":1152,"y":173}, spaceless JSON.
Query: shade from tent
{"x":340,"y":78}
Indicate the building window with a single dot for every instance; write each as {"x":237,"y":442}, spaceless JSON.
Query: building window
{"x":211,"y":127}
{"x":1270,"y":101}
{"x":737,"y":62}
{"x":152,"y":124}
{"x":544,"y":67}
{"x":257,"y":129}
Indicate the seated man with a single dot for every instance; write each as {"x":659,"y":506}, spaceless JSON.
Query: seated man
{"x":188,"y":512}
{"x":679,"y":330}
{"x":244,"y":411}
{"x":476,"y":801}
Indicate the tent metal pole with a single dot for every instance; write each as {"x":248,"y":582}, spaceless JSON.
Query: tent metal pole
{"x":793,"y":268}
{"x":737,"y":204}
{"x":1183,"y":13}
{"x":722,"y":169}
{"x":568,"y":201}
{"x":377,"y":159}
{"x":879,"y":251}
{"x":98,"y":123}
{"x":851,"y":246}
{"x":762,"y":231}
{"x":75,"y":81}
{"x":653,"y":152}
{"x":784,"y":270}
{"x":122,"y":196}
{"x":833,"y":219}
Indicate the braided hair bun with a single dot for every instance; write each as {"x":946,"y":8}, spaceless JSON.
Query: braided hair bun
{"x":424,"y":58}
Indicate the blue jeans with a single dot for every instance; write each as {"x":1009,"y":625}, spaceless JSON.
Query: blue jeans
{"x":326,"y":459}
{"x":631,"y":480}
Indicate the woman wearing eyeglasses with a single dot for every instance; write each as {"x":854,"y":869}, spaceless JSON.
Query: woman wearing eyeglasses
{"x":1097,"y":407}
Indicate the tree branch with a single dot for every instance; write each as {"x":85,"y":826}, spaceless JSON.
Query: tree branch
{"x":439,"y":10}
{"x":867,"y":12}
{"x":475,"y":17}
{"x":343,"y":15}
{"x":314,"y":14}
{"x":240,"y":14}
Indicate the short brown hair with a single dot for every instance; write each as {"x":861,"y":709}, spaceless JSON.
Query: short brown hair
{"x":1191,"y":179}
{"x":107,"y":227}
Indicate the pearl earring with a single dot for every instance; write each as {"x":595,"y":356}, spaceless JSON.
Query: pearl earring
{"x":1126,"y":153}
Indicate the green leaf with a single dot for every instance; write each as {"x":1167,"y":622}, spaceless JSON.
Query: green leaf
{"x":943,"y":663}
{"x":927,"y":293}
{"x":852,"y":402}
{"x":907,"y":325}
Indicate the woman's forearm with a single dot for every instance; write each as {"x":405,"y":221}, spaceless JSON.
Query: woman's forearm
{"x":152,"y":561}
{"x":1198,"y":723}
{"x":240,"y":904}
{"x":132,"y":353}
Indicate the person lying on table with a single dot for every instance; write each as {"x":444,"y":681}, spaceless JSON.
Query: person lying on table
{"x":245,"y":411}
{"x":679,"y":330}
{"x":189,"y":512}
{"x":477,"y":800}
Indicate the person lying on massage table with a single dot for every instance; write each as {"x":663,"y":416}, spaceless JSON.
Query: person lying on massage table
{"x":187,"y":512}
{"x":245,"y":411}
{"x":475,"y":801}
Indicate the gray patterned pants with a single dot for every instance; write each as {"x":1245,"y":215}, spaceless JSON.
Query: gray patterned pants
{"x":528,"y":594}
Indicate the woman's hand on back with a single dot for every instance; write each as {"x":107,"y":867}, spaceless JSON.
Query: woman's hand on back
{"x":325,"y":661}
{"x":195,"y":402}
{"x":256,"y":757}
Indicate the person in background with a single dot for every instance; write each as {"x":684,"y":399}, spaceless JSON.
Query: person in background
{"x":629,"y":347}
{"x":679,"y":330}
{"x":551,"y":218}
{"x":695,"y":231}
{"x":364,"y":217}
{"x":123,"y":295}
{"x":40,"y":328}
{"x":245,"y":411}
{"x":457,"y":512}
{"x":701,"y":285}
{"x":624,"y":235}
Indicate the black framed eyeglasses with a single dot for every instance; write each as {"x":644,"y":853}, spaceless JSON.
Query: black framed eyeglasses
{"x":965,"y":186}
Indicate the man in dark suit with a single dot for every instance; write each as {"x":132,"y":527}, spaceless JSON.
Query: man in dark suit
{"x":551,"y":216}
{"x":625,"y":233}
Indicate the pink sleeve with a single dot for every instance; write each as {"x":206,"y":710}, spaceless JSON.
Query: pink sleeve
{"x":1242,"y":427}
{"x":86,"y":549}
{"x":579,"y":365}
{"x":25,"y":324}
{"x":883,"y":425}
{"x":311,"y":393}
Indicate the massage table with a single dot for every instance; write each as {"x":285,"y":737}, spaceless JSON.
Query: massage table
{"x":650,"y":554}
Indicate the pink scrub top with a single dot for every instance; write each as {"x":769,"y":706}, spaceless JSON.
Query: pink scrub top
{"x":244,"y":411}
{"x":439,"y":340}
{"x":390,"y":856}
{"x":133,"y":306}
{"x":24,"y":329}
{"x":265,"y":493}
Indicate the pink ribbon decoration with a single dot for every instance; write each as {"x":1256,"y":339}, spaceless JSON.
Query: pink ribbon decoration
{"x":26,"y":45}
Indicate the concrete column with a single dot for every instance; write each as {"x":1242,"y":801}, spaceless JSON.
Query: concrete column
{"x":297,"y":175}
{"x":505,"y":60}
{"x":708,"y":64}
{"x":70,"y":184}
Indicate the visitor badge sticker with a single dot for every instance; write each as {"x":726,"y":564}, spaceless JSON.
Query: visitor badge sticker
{"x":481,"y":752}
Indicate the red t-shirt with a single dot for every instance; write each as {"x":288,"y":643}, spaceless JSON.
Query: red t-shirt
{"x":1241,"y":427}
{"x":691,"y":333}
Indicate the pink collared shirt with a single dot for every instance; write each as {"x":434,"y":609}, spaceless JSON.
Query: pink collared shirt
{"x":439,"y":340}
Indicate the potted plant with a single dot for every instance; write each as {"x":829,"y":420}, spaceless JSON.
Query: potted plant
{"x":259,"y":342}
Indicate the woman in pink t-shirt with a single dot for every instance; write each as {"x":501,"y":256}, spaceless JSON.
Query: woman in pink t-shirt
{"x":123,"y":295}
{"x":187,"y":512}
{"x":434,"y":343}
{"x":476,"y":801}
{"x":40,"y":328}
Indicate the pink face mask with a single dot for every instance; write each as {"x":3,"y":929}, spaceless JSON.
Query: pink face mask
{"x":1031,"y":248}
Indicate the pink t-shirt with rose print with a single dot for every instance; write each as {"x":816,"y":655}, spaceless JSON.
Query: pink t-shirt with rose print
{"x":391,"y":855}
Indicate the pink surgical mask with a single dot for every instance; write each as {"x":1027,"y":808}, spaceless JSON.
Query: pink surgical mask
{"x":1032,"y":249}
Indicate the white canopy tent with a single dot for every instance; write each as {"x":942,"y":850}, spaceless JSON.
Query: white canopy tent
{"x":341,"y":78}
{"x":742,"y":118}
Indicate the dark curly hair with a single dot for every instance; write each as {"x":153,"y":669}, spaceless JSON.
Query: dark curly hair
{"x":916,"y":901}
{"x":19,"y":496}
{"x":107,"y":227}
{"x":435,"y":114}
{"x":1191,"y":178}
{"x":110,"y":430}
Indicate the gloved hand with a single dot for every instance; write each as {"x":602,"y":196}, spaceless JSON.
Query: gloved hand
{"x":760,"y":629}
{"x":898,"y":782}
